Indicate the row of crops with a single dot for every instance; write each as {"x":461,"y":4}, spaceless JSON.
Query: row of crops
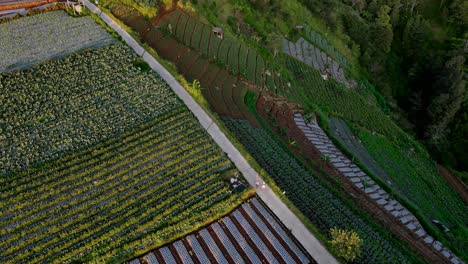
{"x":321,"y":42}
{"x":251,"y":234}
{"x":313,"y":198}
{"x":64,"y":105}
{"x":227,"y":52}
{"x":222,"y":90}
{"x":389,"y":154}
{"x":33,"y":39}
{"x":333,"y":97}
{"x":415,"y":177}
{"x":128,"y":193}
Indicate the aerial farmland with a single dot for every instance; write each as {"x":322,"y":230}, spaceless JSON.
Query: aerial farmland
{"x":208,"y":132}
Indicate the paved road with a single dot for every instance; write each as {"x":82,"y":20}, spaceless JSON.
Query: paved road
{"x":310,"y":243}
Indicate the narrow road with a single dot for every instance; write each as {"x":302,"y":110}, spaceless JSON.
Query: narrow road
{"x":303,"y":235}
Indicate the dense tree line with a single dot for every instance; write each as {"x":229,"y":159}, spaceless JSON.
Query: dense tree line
{"x":415,"y":52}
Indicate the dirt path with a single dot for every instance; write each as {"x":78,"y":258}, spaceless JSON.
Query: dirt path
{"x":454,"y":182}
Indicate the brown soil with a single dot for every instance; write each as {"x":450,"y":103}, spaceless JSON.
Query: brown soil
{"x":282,"y":111}
{"x":454,"y":182}
{"x":10,"y":5}
{"x":275,"y":234}
{"x":175,"y":254}
{"x":262,"y":236}
{"x":249,"y":240}
{"x":206,"y":249}
{"x":220,"y":246}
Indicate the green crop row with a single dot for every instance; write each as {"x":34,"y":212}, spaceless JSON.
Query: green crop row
{"x":415,"y":177}
{"x":235,"y":56}
{"x":324,"y":209}
{"x":121,"y":193}
{"x":62,"y":106}
{"x":335,"y":98}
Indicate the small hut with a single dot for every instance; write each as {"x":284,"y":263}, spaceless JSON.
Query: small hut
{"x":218,"y":32}
{"x":299,"y":27}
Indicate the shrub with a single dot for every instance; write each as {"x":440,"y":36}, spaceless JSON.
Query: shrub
{"x":346,"y":244}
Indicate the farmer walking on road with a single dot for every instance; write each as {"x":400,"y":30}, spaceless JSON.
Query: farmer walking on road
{"x":257,"y":183}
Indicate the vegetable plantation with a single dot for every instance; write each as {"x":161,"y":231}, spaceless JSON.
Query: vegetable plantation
{"x":33,"y":39}
{"x":333,"y":97}
{"x":235,"y":56}
{"x":62,"y":106}
{"x":415,"y":177}
{"x":345,"y":136}
{"x":129,"y":193}
{"x":314,"y":199}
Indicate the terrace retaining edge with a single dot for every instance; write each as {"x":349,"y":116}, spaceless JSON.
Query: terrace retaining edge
{"x":287,"y":217}
{"x":353,"y":173}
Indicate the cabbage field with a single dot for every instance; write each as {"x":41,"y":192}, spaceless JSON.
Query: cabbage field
{"x":65,"y":105}
{"x":128,"y":193}
{"x":33,"y":39}
{"x":100,"y":161}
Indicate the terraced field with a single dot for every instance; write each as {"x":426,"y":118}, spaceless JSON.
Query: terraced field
{"x":62,"y":106}
{"x":235,"y":56}
{"x":314,"y":199}
{"x":415,"y":177}
{"x":100,"y":161}
{"x":306,"y":52}
{"x":103,"y":198}
{"x":335,"y":98}
{"x":319,"y":41}
{"x":30,"y":40}
{"x":224,"y":91}
{"x":251,"y":234}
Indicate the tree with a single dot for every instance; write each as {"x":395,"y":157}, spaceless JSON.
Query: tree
{"x":347,"y":244}
{"x":451,"y":89}
{"x":416,"y":38}
{"x":383,"y":32}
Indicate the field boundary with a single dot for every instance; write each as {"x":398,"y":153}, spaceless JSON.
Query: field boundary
{"x":288,"y":218}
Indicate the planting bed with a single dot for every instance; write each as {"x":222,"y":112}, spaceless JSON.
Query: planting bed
{"x":33,"y":39}
{"x":128,"y":193}
{"x":224,"y":92}
{"x":333,"y":97}
{"x":250,"y":234}
{"x":65,"y":105}
{"x":319,"y":60}
{"x":232,"y":54}
{"x":416,"y":178}
{"x":314,"y":198}
{"x":318,"y":40}
{"x":351,"y":143}
{"x":411,"y":175}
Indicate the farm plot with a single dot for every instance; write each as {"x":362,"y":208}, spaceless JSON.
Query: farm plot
{"x":415,"y":177}
{"x":250,"y":234}
{"x":333,"y":97}
{"x":65,"y":105}
{"x":235,"y":56}
{"x":134,"y":191}
{"x":33,"y":39}
{"x":318,"y":40}
{"x":310,"y":55}
{"x":345,"y":136}
{"x":314,"y":199}
{"x":130,"y":16}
